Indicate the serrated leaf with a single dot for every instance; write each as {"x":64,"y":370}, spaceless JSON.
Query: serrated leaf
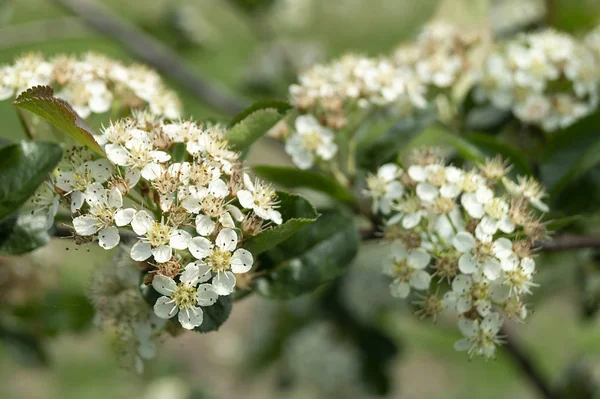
{"x":24,"y":233}
{"x":492,"y":146}
{"x":297,"y":213}
{"x":41,"y":101}
{"x":215,"y":315}
{"x":313,"y":256}
{"x":23,"y":167}
{"x":253,"y":123}
{"x":436,"y":135}
{"x":289,"y":177}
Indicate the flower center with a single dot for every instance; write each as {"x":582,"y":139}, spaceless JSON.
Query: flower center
{"x":311,"y":141}
{"x":483,"y":251}
{"x":158,"y":234}
{"x":376,"y":185}
{"x":212,"y":206}
{"x":219,"y":260}
{"x":496,"y":208}
{"x":402,"y":269}
{"x":480,"y":291}
{"x":184,"y":296}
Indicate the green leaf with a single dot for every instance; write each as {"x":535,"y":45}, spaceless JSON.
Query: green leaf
{"x":23,"y":167}
{"x":296,"y":212}
{"x":41,"y":101}
{"x":587,"y":160}
{"x":254,"y":122}
{"x":215,"y":315}
{"x":23,"y":234}
{"x":492,"y":146}
{"x":289,"y":177}
{"x":561,"y":223}
{"x":436,"y":135}
{"x":24,"y":347}
{"x":313,"y":256}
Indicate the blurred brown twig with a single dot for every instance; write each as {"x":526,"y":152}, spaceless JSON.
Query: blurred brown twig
{"x":153,"y":52}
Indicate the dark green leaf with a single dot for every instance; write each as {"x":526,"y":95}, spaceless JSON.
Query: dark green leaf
{"x":215,"y":315}
{"x":289,"y":177}
{"x":313,"y":256}
{"x":23,"y":167}
{"x":296,"y":212}
{"x":24,"y":347}
{"x":254,"y":122}
{"x":492,"y":146}
{"x":24,"y":234}
{"x":587,"y":160}
{"x":41,"y":101}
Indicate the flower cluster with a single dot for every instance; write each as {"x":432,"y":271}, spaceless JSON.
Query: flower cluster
{"x":188,"y":217}
{"x":447,"y":60}
{"x":92,"y":84}
{"x":472,"y":229}
{"x":546,"y":79}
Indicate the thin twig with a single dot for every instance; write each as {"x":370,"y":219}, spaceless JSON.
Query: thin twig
{"x":153,"y":52}
{"x":527,"y":366}
{"x":565,"y":242}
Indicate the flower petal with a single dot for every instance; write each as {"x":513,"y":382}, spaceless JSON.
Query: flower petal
{"x":463,"y":241}
{"x":227,"y":240}
{"x":206,"y":295}
{"x":108,"y":237}
{"x":399,"y":289}
{"x":190,"y":318}
{"x":141,"y":222}
{"x":241,"y":261}
{"x":141,"y":251}
{"x":165,"y":308}
{"x":124,"y":217}
{"x":200,"y":247}
{"x":85,"y":225}
{"x":224,"y":282}
{"x":164,"y":285}
{"x":204,"y":225}
{"x":162,"y":253}
{"x":180,"y":239}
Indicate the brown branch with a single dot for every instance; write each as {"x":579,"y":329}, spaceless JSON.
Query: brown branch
{"x":527,"y":366}
{"x":153,"y":52}
{"x":565,"y":242}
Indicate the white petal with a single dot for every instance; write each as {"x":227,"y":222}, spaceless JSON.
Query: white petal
{"x":191,"y":204}
{"x":473,"y":207}
{"x":218,"y":188}
{"x":141,"y":251}
{"x":449,"y":190}
{"x":463,"y":304}
{"x":417,"y":173}
{"x":191,"y":274}
{"x":162,"y":253}
{"x":190,"y":318}
{"x":204,"y":225}
{"x":420,"y":280}
{"x":180,"y":239}
{"x":124,"y":217}
{"x":275,"y":216}
{"x":227,"y":240}
{"x":306,"y":123}
{"x":462,"y":345}
{"x":502,"y":247}
{"x":164,"y":285}
{"x":206,"y":295}
{"x":418,"y":259}
{"x":463,"y":241}
{"x":248,"y":182}
{"x":115,"y":198}
{"x":388,"y":172}
{"x":399,"y":289}
{"x":468,"y":328}
{"x":204,"y":271}
{"x":427,"y":192}
{"x":484,"y":195}
{"x":462,"y":284}
{"x":246,"y":199}
{"x":528,"y":265}
{"x":108,"y":237}
{"x":506,"y":225}
{"x":77,"y":199}
{"x":467,"y":264}
{"x":141,"y":223}
{"x":85,"y":225}
{"x":151,"y":171}
{"x":160,"y":156}
{"x":224,"y":282}
{"x":492,"y":269}
{"x":100,"y":170}
{"x":117,"y":154}
{"x":394,"y":190}
{"x":132,"y":176}
{"x":235,"y":212}
{"x":200,"y":247}
{"x":165,"y":308}
{"x":411,"y":220}
{"x":241,"y":261}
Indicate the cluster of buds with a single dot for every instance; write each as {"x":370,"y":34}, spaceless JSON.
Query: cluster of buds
{"x":188,"y":217}
{"x":472,"y":231}
{"x":447,"y":60}
{"x":91,"y":84}
{"x":546,"y":78}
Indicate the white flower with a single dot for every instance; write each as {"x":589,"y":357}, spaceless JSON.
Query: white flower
{"x":481,"y":337}
{"x":471,"y":291}
{"x":223,"y":259}
{"x":529,"y":188}
{"x":384,"y":187}
{"x":138,"y":153}
{"x":105,"y":210}
{"x":157,"y":238}
{"x":407,"y":270}
{"x":183,"y":298}
{"x":311,"y":140}
{"x":76,"y":182}
{"x":261,"y":198}
{"x":518,"y":279}
{"x":45,"y":201}
{"x":477,"y":255}
{"x":88,"y":96}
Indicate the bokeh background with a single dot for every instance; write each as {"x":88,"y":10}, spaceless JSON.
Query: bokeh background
{"x":258,"y":353}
